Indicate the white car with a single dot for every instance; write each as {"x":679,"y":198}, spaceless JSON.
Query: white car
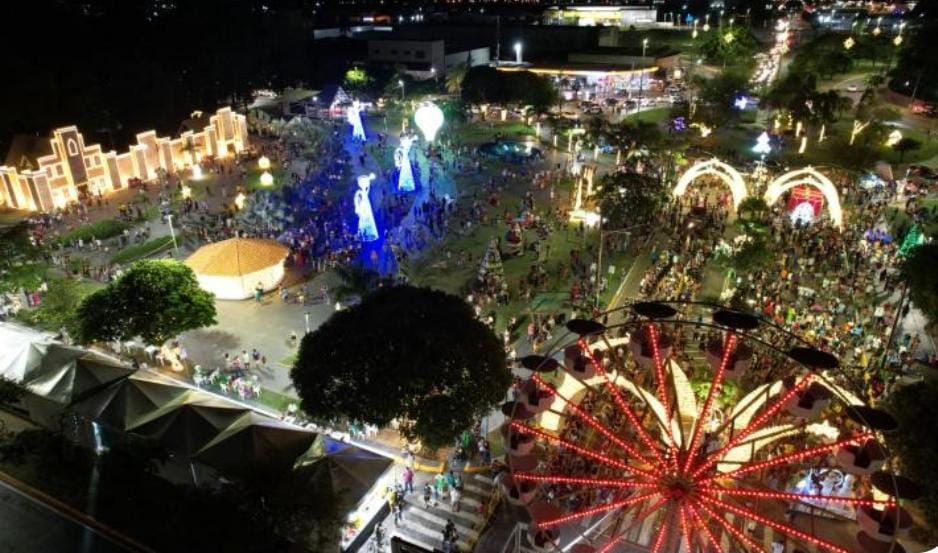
{"x":853,"y":88}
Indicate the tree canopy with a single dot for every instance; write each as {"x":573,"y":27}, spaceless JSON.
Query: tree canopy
{"x":412,"y":354}
{"x":155,"y":300}
{"x":914,"y":442}
{"x":628,"y":199}
{"x":918,"y":273}
{"x":483,"y":85}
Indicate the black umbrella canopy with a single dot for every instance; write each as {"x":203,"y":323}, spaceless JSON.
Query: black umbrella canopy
{"x":813,"y":358}
{"x":654,"y":310}
{"x":539,"y":363}
{"x":585,"y":327}
{"x":735,"y":319}
{"x":896,"y":485}
{"x":872,"y":418}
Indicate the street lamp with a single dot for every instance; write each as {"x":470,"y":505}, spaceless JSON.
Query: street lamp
{"x":172,"y":233}
{"x":849,"y":43}
{"x":644,"y":46}
{"x":518,"y":53}
{"x":400,"y":83}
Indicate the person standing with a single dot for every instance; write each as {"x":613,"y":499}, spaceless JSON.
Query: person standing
{"x":258,"y":292}
{"x":440,"y":486}
{"x":408,"y":478}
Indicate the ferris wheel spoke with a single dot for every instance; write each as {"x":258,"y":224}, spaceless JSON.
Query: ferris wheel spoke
{"x":583,"y":481}
{"x":736,"y":533}
{"x":660,"y":379}
{"x":662,"y":530}
{"x":707,"y":534}
{"x":729,"y":346}
{"x":769,"y":494}
{"x":783,"y":459}
{"x":775,"y":525}
{"x":685,"y":529}
{"x":641,"y":516}
{"x":596,"y":510}
{"x":589,"y":419}
{"x":623,"y":404}
{"x":752,"y":426}
{"x":586,"y":452}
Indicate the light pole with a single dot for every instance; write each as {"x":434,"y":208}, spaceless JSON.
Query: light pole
{"x":400,"y":82}
{"x":644,"y":46}
{"x":172,"y":233}
{"x":518,"y":53}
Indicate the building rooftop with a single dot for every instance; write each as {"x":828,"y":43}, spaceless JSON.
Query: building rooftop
{"x":25,"y":149}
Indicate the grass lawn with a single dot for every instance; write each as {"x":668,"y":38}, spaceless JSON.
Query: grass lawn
{"x":477,"y":133}
{"x":654,"y":115}
{"x":139,"y":251}
{"x":275,"y":400}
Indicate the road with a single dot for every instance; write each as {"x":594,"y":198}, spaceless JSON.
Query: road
{"x":28,"y":526}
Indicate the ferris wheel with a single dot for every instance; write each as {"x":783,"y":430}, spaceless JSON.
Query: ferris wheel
{"x":691,"y":428}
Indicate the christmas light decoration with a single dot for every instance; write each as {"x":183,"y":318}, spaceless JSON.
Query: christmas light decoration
{"x":429,"y":119}
{"x":729,"y":346}
{"x":651,"y":457}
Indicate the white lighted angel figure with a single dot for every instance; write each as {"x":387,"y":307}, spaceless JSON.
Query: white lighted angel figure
{"x":354,"y":116}
{"x":367,"y":229}
{"x":405,"y":178}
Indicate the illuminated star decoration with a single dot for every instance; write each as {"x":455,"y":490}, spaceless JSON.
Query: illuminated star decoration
{"x":762,"y":146}
{"x":741,"y":102}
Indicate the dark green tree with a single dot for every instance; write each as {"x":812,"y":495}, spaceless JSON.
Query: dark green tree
{"x":914,"y":443}
{"x":10,"y":392}
{"x":751,"y":256}
{"x":412,"y":354}
{"x":918,"y":272}
{"x":356,"y":281}
{"x":155,"y":300}
{"x":906,"y":145}
{"x":629,"y":199}
{"x":59,"y":307}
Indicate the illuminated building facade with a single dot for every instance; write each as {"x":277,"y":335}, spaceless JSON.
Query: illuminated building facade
{"x":60,"y":171}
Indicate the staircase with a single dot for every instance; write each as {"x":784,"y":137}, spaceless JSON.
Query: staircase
{"x":424,"y":526}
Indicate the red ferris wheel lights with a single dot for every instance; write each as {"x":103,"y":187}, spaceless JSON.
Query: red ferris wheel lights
{"x":638,"y":518}
{"x":561,"y":479}
{"x":572,"y":446}
{"x":782,"y":459}
{"x":685,"y":529}
{"x":596,"y":425}
{"x":659,"y":375}
{"x":594,"y":510}
{"x":788,"y":496}
{"x":729,"y":346}
{"x":784,"y":528}
{"x":753,"y":426}
{"x":714,"y":543}
{"x":742,"y":538}
{"x":662,"y":530}
{"x":621,"y":403}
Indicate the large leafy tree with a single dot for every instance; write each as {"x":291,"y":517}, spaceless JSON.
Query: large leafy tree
{"x":918,"y":271}
{"x":412,"y":354}
{"x":155,"y":300}
{"x":914,"y":442}
{"x":628,"y":199}
{"x":59,"y":306}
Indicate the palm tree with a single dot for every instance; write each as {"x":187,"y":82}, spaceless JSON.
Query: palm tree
{"x":357,"y":281}
{"x":454,"y":78}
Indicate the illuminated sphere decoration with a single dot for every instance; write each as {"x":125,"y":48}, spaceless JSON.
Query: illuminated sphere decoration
{"x":632,"y":445}
{"x":263,"y":163}
{"x":267,"y":179}
{"x":429,"y":119}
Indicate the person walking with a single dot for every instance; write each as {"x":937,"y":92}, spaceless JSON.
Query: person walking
{"x":440,"y":486}
{"x":427,"y":494}
{"x":454,"y":496}
{"x":408,"y":478}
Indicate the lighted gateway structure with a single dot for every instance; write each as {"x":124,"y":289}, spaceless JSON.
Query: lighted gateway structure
{"x":673,"y":433}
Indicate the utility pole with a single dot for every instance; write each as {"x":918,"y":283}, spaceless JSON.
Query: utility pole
{"x":498,"y":38}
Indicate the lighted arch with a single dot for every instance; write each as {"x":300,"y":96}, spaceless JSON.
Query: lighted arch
{"x":812,"y":177}
{"x":715,"y":167}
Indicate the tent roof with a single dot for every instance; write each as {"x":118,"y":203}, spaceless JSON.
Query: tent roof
{"x":236,"y":257}
{"x":125,"y":403}
{"x":54,"y":370}
{"x":346,"y":471}
{"x":189,"y":422}
{"x":256,"y":441}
